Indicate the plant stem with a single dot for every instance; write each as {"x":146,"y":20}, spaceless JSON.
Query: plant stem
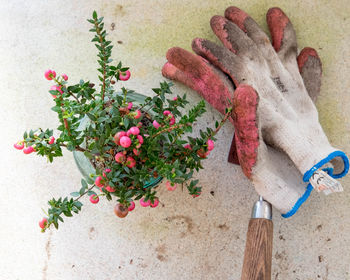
{"x":77,"y":148}
{"x":168,"y":129}
{"x":226,"y":116}
{"x":98,"y":31}
{"x":69,"y":92}
{"x":89,"y":189}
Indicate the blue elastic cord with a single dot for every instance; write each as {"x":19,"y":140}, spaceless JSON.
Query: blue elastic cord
{"x":309,"y":173}
{"x":300,"y":201}
{"x":304,"y":197}
{"x":331,"y":156}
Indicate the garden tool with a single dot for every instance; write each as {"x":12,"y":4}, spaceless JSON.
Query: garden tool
{"x":288,"y":140}
{"x":258,"y":251}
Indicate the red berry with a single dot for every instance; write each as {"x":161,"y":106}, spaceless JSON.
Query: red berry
{"x":19,"y":145}
{"x":51,"y":140}
{"x":121,"y":210}
{"x":210,"y":144}
{"x":132,"y":206}
{"x":170,"y":186}
{"x":50,"y":74}
{"x":117,"y":137}
{"x":188,"y":146}
{"x":94,"y":198}
{"x":124,"y":76}
{"x":137,"y":114}
{"x":120,"y":157}
{"x":110,"y":189}
{"x":43,"y":223}
{"x":136,"y":152}
{"x":99,"y":182}
{"x":202,"y":154}
{"x":107,"y":170}
{"x":140,"y":138}
{"x":28,"y":150}
{"x":144,"y":203}
{"x":125,"y":141}
{"x":155,"y":203}
{"x":130,"y":162}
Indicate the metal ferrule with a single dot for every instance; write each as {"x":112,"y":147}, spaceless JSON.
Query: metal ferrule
{"x":262,"y":209}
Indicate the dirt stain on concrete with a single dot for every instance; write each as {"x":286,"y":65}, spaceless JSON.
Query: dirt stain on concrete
{"x":223,"y":227}
{"x":161,"y":253}
{"x":48,"y":255}
{"x":92,"y":233}
{"x":184,"y":220}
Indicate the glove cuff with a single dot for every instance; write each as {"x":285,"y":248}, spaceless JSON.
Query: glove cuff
{"x":322,"y":162}
{"x":300,"y":202}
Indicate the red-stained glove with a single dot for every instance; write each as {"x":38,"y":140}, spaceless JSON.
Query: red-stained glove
{"x":273,"y":174}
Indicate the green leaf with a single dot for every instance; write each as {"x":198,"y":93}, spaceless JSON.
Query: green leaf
{"x":84,"y":184}
{"x":94,"y":15}
{"x":75,"y":194}
{"x":91,"y":116}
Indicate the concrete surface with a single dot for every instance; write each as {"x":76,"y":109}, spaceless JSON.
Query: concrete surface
{"x":186,"y":238}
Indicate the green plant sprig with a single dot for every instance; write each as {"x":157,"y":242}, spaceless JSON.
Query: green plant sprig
{"x":91,"y":119}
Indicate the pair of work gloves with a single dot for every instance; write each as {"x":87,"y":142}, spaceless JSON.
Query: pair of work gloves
{"x":278,"y":141}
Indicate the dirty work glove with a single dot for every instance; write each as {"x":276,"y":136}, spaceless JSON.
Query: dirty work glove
{"x":282,"y":185}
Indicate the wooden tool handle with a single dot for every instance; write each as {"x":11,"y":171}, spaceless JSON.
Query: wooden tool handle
{"x":258,"y":250}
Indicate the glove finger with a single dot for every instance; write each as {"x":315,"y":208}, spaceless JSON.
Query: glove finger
{"x":233,"y":37}
{"x":245,"y":104}
{"x":252,"y":29}
{"x":310,"y":68}
{"x":209,"y":85}
{"x":283,"y":34}
{"x":220,"y":57}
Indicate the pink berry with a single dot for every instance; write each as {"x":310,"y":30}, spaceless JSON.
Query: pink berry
{"x":19,"y":145}
{"x":144,"y":203}
{"x":94,"y":198}
{"x":107,"y":170}
{"x":140,"y":138}
{"x":125,"y":141}
{"x":170,"y":186}
{"x":156,"y":124}
{"x":132,"y":206}
{"x":172,"y":121}
{"x":43,"y":223}
{"x":188,"y":146}
{"x":99,"y":181}
{"x":155,"y":203}
{"x":110,"y":189}
{"x":28,"y":150}
{"x":134,"y":130}
{"x":130,"y":162}
{"x":175,"y":98}
{"x":210,"y":144}
{"x":65,"y":77}
{"x":124,"y":76}
{"x":130,"y":105}
{"x":56,"y":88}
{"x":50,"y":74}
{"x":202,"y":154}
{"x":119,"y":135}
{"x":138,"y":146}
{"x":51,"y":140}
{"x":196,"y":195}
{"x":120,"y":157}
{"x":138,"y":114}
{"x":166,"y":113}
{"x":136,"y":152}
